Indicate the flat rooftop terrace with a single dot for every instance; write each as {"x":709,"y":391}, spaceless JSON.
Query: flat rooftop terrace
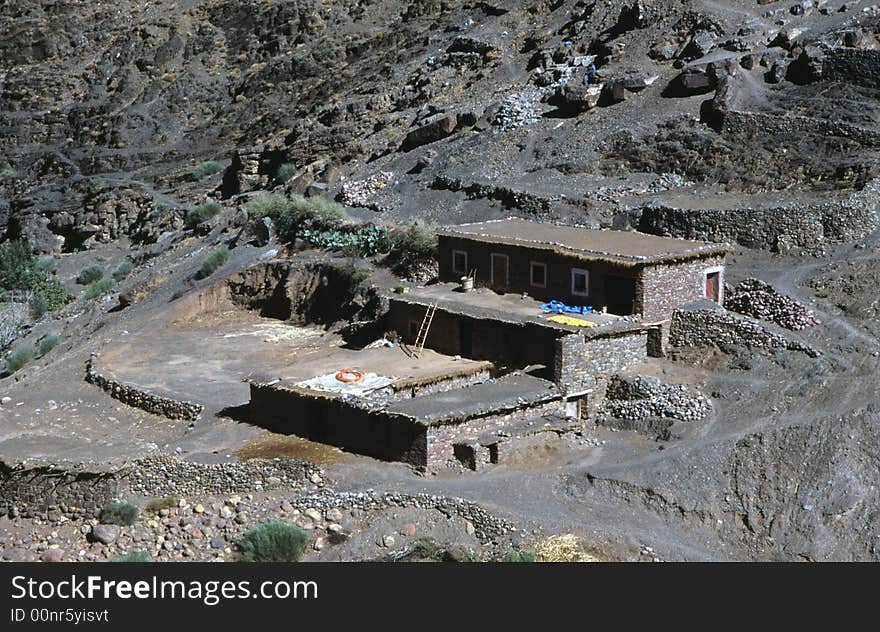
{"x":485,"y":304}
{"x":628,"y":248}
{"x":493,"y":396}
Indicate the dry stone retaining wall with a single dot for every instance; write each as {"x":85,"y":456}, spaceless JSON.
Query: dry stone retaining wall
{"x":137,"y":398}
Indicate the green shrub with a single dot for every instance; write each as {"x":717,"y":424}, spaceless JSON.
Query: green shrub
{"x":137,"y":556}
{"x":18,"y":357}
{"x":38,"y":307}
{"x":48,"y":343}
{"x":520,"y":555}
{"x":7,"y":172}
{"x":207,"y":168}
{"x":158,"y":504}
{"x":16,"y":265}
{"x":214,"y":260}
{"x":273,"y":541}
{"x":292,"y":215}
{"x":416,"y":242}
{"x":199,"y":214}
{"x":285,"y":172}
{"x":45,"y":264}
{"x":351,"y":275}
{"x":122,"y":270}
{"x":51,"y":290}
{"x":121,"y":513}
{"x":90,"y":274}
{"x":98,"y":288}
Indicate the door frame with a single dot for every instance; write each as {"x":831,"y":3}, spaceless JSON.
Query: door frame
{"x":492,"y":256}
{"x":719,"y":270}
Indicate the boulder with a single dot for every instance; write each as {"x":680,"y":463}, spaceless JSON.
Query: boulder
{"x":104,"y":533}
{"x":438,"y":129}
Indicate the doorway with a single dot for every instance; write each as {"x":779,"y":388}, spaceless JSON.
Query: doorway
{"x":500,"y":271}
{"x":620,"y":295}
{"x":465,"y":337}
{"x":713,"y":285}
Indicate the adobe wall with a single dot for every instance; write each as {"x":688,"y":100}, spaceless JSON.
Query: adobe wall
{"x":519,"y":268}
{"x":662,"y":288}
{"x":338,"y":422}
{"x":582,"y":363}
{"x":781,"y":229}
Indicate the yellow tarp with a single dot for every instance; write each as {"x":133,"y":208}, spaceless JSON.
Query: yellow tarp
{"x":571,"y":320}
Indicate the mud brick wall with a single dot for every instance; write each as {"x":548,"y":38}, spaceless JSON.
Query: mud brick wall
{"x":782,"y":229}
{"x":334,"y":421}
{"x":582,"y":363}
{"x":441,"y":439}
{"x":717,"y":327}
{"x":49,"y":493}
{"x":662,"y":288}
{"x":133,"y":396}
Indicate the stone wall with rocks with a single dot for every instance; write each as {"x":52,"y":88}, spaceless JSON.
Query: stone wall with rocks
{"x":662,"y":288}
{"x":806,"y":227}
{"x":852,"y":65}
{"x":48,"y":492}
{"x":585,"y":362}
{"x":706,"y":326}
{"x":760,"y":300}
{"x":641,"y":397}
{"x":137,"y":398}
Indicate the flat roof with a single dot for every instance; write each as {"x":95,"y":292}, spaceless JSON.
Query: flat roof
{"x":622,"y":247}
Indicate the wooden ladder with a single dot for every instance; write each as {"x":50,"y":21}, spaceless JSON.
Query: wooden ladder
{"x":422,"y":336}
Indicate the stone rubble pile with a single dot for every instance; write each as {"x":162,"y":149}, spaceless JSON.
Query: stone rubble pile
{"x":359,"y":193}
{"x":519,"y":109}
{"x":641,"y":397}
{"x":170,"y":476}
{"x":760,"y":300}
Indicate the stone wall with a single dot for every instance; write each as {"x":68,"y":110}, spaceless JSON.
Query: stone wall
{"x":852,"y":65}
{"x":137,"y":398}
{"x":807,"y":227}
{"x":708,"y":326}
{"x":662,"y":288}
{"x":582,"y":362}
{"x":48,"y":492}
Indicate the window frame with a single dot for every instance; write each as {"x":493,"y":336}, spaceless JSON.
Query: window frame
{"x":586,"y":274}
{"x":532,"y":266}
{"x":719,"y":270}
{"x":455,"y":270}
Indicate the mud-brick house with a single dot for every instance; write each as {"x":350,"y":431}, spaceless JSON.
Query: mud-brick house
{"x":619,"y":272}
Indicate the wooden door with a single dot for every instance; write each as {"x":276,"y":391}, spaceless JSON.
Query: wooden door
{"x":500,"y":272}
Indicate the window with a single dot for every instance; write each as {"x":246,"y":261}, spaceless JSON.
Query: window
{"x":539,"y":274}
{"x":580,"y":282}
{"x":713,"y":283}
{"x":459,"y":262}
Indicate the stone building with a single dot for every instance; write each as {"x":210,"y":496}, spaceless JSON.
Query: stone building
{"x":621,"y":272}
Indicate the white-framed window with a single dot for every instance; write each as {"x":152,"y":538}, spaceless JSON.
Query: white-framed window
{"x":713,"y":284}
{"x":580,"y":282}
{"x":459,"y":262}
{"x":538,"y":274}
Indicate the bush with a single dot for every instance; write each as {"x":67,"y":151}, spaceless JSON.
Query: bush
{"x":45,"y":264}
{"x":418,"y":240}
{"x":38,"y":307}
{"x":18,"y":357}
{"x":351,"y":275}
{"x":520,"y":555}
{"x":213,"y":261}
{"x":121,"y":513}
{"x":207,"y":168}
{"x":98,"y":288}
{"x":158,"y":504}
{"x":51,"y":290}
{"x":285,"y":172}
{"x":48,"y":343}
{"x":273,"y":541}
{"x":90,"y":274}
{"x":363,"y":241}
{"x":7,"y":172}
{"x":136,"y":556}
{"x":122,"y":270}
{"x":292,"y":215}
{"x":199,"y":214}
{"x":16,"y":265}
